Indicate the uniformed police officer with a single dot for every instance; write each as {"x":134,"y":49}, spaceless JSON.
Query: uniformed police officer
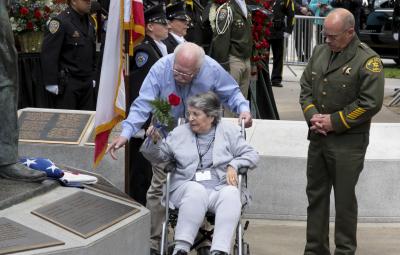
{"x":282,"y":27}
{"x":145,"y":55}
{"x":232,"y":40}
{"x":9,"y":168}
{"x":68,"y":57}
{"x":341,"y":89}
{"x":178,"y":21}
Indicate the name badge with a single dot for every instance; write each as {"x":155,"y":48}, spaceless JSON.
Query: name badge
{"x":203,"y":176}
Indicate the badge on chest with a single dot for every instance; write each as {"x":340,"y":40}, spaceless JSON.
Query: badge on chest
{"x":203,"y":175}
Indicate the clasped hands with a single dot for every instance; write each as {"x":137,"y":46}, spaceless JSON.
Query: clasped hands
{"x":321,"y":124}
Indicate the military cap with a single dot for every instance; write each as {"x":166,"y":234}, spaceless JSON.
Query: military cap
{"x":177,"y":11}
{"x":155,"y":14}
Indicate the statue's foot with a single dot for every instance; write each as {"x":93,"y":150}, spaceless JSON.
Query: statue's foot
{"x":19,"y":172}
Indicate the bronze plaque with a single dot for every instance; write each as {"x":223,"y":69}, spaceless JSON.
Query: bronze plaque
{"x":53,"y":127}
{"x":15,"y":237}
{"x":85,"y":214}
{"x":115,"y":132}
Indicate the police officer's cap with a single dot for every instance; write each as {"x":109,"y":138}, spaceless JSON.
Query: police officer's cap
{"x":155,"y":14}
{"x":177,"y":11}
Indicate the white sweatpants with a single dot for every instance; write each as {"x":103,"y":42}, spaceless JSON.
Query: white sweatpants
{"x":194,"y":200}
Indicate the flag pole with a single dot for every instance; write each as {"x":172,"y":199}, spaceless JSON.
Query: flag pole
{"x":127,"y":106}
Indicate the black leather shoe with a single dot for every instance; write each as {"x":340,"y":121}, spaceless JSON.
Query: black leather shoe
{"x":19,"y":172}
{"x":154,"y":251}
{"x":279,"y":85}
{"x":204,"y":250}
{"x":181,"y":252}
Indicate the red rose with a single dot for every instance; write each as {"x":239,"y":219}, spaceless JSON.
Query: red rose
{"x":24,"y":11}
{"x":47,"y":9}
{"x":29,"y":25}
{"x":37,"y":14}
{"x":174,"y":99}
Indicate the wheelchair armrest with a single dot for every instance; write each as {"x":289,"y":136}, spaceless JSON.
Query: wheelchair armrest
{"x":171,"y":166}
{"x":243,"y":170}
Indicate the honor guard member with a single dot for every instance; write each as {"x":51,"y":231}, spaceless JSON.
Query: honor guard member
{"x":178,"y":22}
{"x":282,"y":26}
{"x":341,"y":90}
{"x":68,"y":57}
{"x":232,"y":42}
{"x":145,"y":55}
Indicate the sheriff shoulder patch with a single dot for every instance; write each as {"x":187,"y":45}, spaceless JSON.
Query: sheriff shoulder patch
{"x":374,"y":65}
{"x":141,"y":58}
{"x":54,"y":25}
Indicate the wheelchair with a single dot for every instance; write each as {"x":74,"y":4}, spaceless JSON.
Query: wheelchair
{"x":240,"y":247}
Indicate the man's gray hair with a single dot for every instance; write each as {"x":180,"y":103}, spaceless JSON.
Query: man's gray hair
{"x":193,"y":49}
{"x":207,"y":102}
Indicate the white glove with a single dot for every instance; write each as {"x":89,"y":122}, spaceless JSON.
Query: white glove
{"x":52,"y":89}
{"x":286,"y":35}
{"x":396,"y":36}
{"x":94,"y":84}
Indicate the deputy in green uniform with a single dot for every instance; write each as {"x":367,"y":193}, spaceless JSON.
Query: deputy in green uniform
{"x":9,"y":168}
{"x":341,"y":90}
{"x":232,"y":42}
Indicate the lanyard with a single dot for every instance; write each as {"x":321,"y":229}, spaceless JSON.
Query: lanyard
{"x":201,"y":154}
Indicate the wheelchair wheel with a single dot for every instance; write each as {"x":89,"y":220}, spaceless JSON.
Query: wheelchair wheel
{"x":245,"y":247}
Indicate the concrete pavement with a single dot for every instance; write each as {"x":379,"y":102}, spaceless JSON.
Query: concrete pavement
{"x":270,"y":237}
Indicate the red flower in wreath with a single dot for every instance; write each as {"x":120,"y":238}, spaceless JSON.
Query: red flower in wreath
{"x":29,"y":25}
{"x":174,"y":100}
{"x":24,"y":11}
{"x":37,"y":14}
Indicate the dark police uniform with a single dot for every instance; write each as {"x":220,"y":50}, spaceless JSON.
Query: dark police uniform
{"x":68,"y":59}
{"x":175,"y":11}
{"x":350,"y":89}
{"x":196,"y":32}
{"x":145,"y":55}
{"x":171,"y":43}
{"x":282,"y":22}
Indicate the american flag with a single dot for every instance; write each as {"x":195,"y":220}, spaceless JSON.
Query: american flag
{"x":43,"y":164}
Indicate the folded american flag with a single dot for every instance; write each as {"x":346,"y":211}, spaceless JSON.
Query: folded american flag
{"x":43,"y":164}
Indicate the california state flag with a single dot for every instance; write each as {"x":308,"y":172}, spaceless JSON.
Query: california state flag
{"x":111,"y":105}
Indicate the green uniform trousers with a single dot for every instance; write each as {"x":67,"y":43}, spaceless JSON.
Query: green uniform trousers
{"x":333,"y":160}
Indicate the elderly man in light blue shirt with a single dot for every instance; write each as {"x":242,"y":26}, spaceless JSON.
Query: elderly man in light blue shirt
{"x":186,"y":72}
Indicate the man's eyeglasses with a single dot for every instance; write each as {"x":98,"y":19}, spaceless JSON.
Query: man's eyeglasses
{"x":186,"y":75}
{"x":333,"y":37}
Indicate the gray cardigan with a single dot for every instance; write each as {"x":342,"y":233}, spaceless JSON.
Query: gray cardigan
{"x":229,"y":148}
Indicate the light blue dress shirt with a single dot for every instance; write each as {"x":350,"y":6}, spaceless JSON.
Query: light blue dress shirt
{"x":160,"y":83}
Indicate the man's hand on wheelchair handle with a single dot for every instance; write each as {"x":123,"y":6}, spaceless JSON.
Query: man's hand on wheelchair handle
{"x":231,"y":176}
{"x":115,"y":145}
{"x":246,"y":116}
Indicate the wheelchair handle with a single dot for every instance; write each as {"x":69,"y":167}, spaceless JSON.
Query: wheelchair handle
{"x":170,"y":167}
{"x":243,"y":170}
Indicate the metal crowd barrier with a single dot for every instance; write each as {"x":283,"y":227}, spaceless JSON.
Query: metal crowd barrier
{"x":306,"y":34}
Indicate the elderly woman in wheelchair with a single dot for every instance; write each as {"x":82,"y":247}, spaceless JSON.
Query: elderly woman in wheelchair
{"x":208,"y":154}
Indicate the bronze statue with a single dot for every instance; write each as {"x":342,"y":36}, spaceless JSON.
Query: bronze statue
{"x":9,"y":166}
